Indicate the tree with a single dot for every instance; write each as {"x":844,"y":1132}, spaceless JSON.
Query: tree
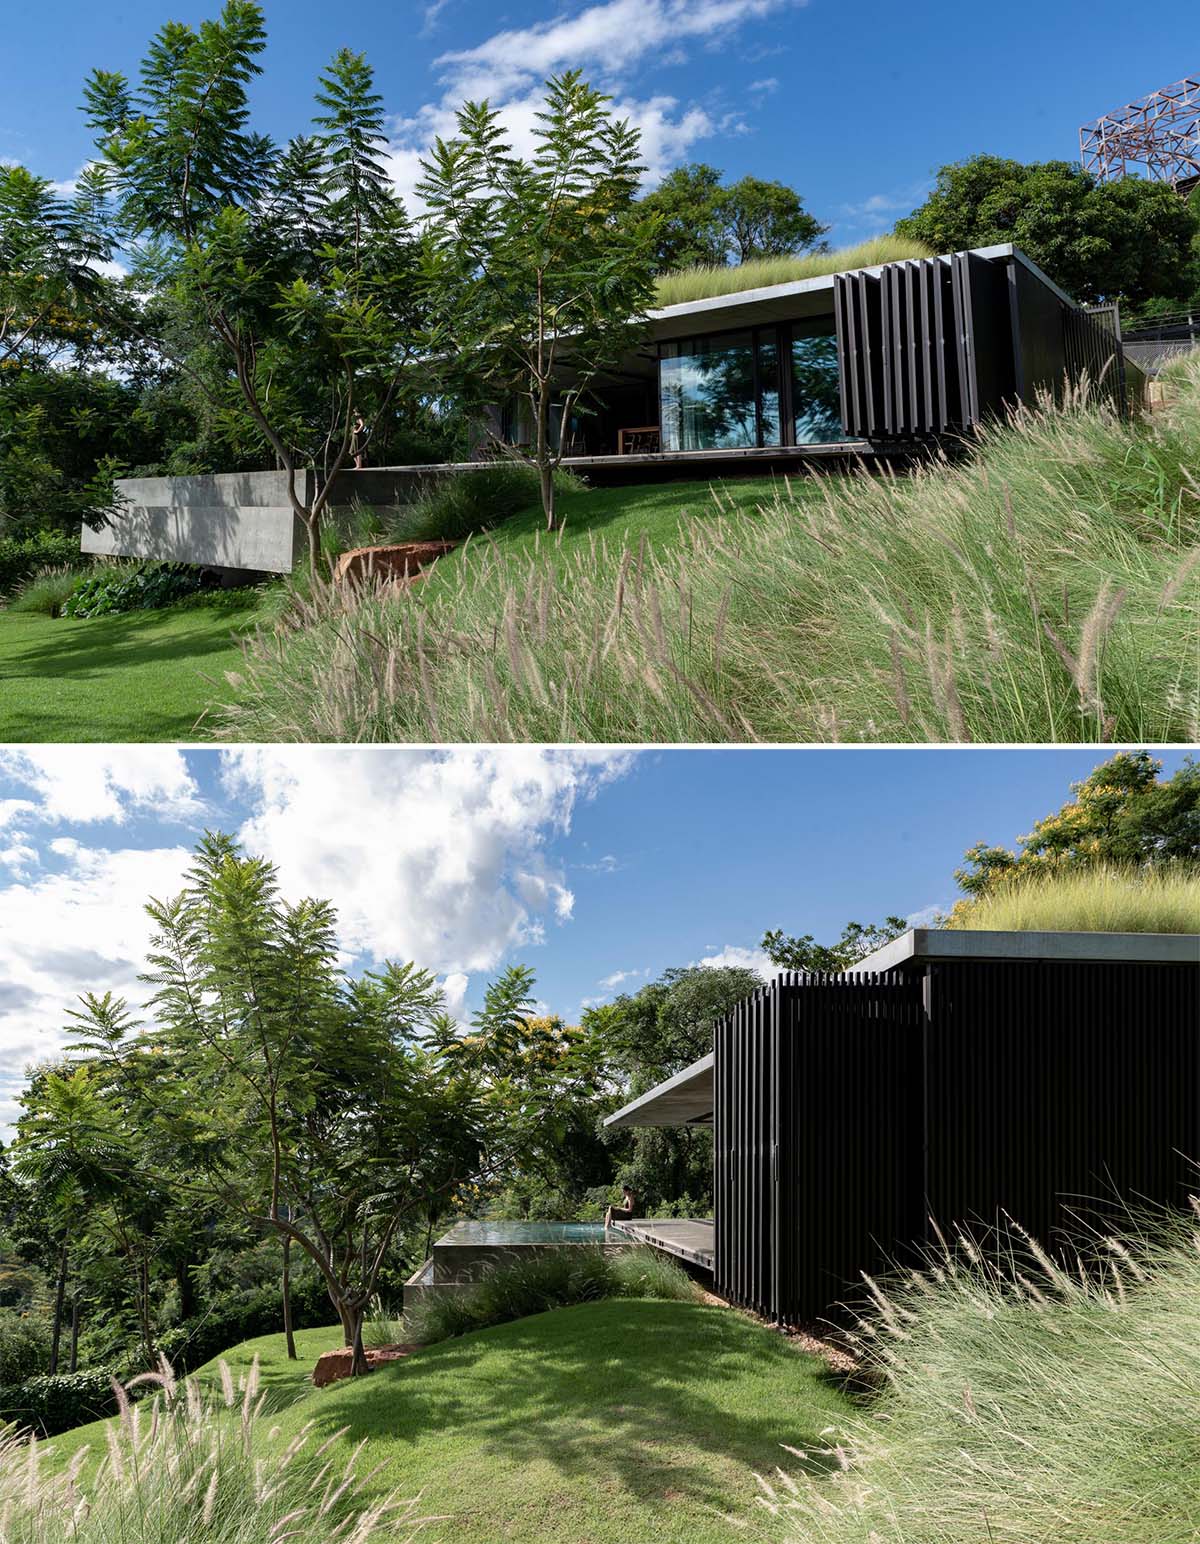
{"x":858,"y":940}
{"x":700,"y":222}
{"x":50,"y":252}
{"x":538,"y":273}
{"x":1123,"y":812}
{"x":297,"y":265}
{"x":765,"y":219}
{"x":1129,"y":239}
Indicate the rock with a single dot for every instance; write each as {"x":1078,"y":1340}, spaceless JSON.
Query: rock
{"x":400,"y":561}
{"x":332,"y":1365}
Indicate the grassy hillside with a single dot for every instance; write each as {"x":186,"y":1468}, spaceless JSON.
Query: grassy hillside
{"x":1044,"y":588}
{"x":1026,"y":1407}
{"x":136,"y":677}
{"x":611,"y":1422}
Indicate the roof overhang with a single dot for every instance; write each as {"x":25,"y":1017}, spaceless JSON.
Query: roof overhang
{"x":923,"y":944}
{"x":684,"y":1100}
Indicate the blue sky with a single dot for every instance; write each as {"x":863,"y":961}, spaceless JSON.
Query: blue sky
{"x":599,"y":868}
{"x":854,"y":102}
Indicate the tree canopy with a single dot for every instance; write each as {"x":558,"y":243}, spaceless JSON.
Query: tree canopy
{"x":701,"y":221}
{"x":1129,"y":239}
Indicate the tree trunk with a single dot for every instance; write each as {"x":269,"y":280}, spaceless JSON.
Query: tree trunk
{"x":287,"y":1299}
{"x":60,"y":1287}
{"x":545,"y":465}
{"x":358,"y":1365}
{"x":74,"y":1333}
{"x":313,"y":525}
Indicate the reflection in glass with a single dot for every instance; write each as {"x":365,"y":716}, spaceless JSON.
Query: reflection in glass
{"x":707,"y":393}
{"x":816,"y":407}
{"x":768,"y":385}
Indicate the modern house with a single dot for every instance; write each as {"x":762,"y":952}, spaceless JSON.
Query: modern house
{"x":953,"y":1080}
{"x":868,"y":363}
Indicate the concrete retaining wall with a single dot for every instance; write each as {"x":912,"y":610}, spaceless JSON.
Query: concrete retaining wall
{"x":239,"y":520}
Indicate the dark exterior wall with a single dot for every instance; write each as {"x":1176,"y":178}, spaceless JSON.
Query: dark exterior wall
{"x":1037,"y":314}
{"x":1056,"y":1087}
{"x":848,"y":1110}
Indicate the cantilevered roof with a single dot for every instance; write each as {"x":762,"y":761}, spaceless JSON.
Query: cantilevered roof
{"x":928,"y":944}
{"x":684,"y":1100}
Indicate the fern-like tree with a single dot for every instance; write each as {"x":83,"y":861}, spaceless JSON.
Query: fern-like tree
{"x":538,"y":271}
{"x":288,"y":271}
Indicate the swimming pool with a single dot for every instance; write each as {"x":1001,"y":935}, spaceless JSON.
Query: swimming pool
{"x":470,"y":1249}
{"x":488,"y":1233}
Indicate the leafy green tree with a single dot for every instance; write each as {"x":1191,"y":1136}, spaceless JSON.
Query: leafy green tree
{"x":857,"y":941}
{"x":538,"y":272}
{"x":701,"y":222}
{"x":1130,"y":238}
{"x":295,"y":265}
{"x":50,"y":252}
{"x":1123,"y":812}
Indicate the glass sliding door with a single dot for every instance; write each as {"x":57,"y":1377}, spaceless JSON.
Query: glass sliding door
{"x":816,"y":403}
{"x":721,"y":392}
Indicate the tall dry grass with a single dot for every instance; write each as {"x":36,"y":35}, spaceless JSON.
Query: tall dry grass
{"x":1104,"y":898}
{"x":1043,"y":589}
{"x":1020,"y":1404}
{"x":185,"y":1467}
{"x":702,"y":282}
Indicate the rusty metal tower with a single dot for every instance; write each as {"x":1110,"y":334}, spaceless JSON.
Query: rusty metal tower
{"x":1157,"y":136}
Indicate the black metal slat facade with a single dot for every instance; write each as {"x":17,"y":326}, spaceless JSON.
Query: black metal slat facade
{"x":849,"y":1110}
{"x":937,"y":345}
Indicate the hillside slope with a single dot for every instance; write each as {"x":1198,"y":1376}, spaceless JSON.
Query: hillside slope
{"x":609,"y":1422}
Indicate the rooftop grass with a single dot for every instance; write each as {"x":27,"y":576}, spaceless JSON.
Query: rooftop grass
{"x":703,"y":283}
{"x":1104,"y":899}
{"x":135,"y":677}
{"x":611,"y":1422}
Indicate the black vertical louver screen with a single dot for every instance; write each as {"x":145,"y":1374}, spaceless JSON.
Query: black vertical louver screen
{"x":909,"y":346}
{"x":848,"y":1110}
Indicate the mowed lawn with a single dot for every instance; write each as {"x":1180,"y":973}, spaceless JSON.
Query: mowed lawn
{"x":607,"y":1423}
{"x":146,"y":676}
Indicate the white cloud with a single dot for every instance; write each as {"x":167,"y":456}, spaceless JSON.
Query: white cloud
{"x":454,"y":990}
{"x":61,"y":934}
{"x":82,"y":784}
{"x":622,"y":975}
{"x":439,"y":857}
{"x":608,"y":41}
{"x":764,"y":87}
{"x":746,"y":959}
{"x":927,"y":916}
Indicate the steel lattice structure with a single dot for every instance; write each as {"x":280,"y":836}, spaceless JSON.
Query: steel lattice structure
{"x":1158,"y":135}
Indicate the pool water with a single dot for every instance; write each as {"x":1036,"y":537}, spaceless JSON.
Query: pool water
{"x":501,"y":1234}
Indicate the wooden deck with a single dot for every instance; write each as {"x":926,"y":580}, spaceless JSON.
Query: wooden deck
{"x":688,"y":1238}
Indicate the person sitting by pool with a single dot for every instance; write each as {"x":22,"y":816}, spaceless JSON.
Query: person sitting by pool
{"x":624,"y":1212}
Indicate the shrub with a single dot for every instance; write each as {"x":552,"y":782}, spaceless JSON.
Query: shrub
{"x":112,"y":590}
{"x":1045,"y":589}
{"x":550,"y":1278}
{"x":196,"y":1468}
{"x":22,"y":556}
{"x":1103,"y":899}
{"x":24,"y":1345}
{"x":54,"y":1404}
{"x":462,"y":503}
{"x":1025,"y":1403}
{"x":46,"y":591}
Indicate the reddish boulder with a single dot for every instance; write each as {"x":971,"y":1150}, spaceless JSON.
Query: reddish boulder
{"x":332,"y":1365}
{"x":400,"y":561}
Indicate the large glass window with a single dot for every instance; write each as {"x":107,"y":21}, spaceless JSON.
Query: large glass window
{"x":714,"y":390}
{"x":816,"y":407}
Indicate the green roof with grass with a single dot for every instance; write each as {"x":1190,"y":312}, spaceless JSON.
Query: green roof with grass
{"x":703,"y":283}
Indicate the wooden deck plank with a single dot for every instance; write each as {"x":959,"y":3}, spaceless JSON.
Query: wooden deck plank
{"x":689,"y":1238}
